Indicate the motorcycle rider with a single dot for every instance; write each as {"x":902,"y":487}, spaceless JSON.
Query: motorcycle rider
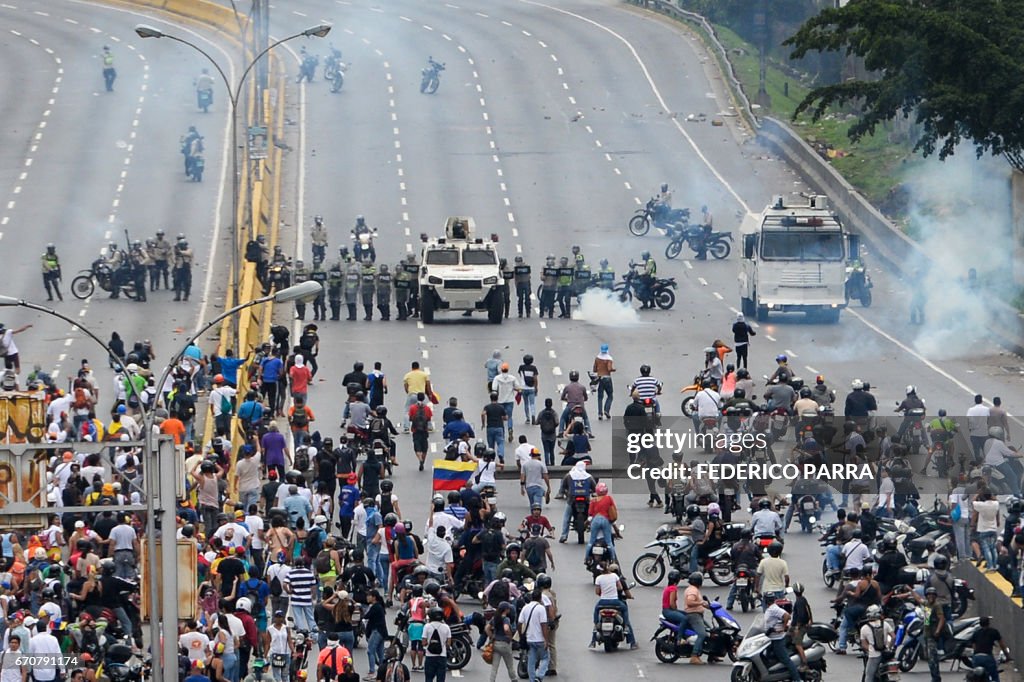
{"x":318,"y":237}
{"x":821,"y":393}
{"x":713,"y":366}
{"x":182,"y":274}
{"x":670,"y":610}
{"x":335,"y":282}
{"x":890,"y":563}
{"x":577,"y":483}
{"x":507,"y":275}
{"x":566,"y":273}
{"x":998,"y":455}
{"x":663,"y":206}
{"x":696,"y":529}
{"x":353,"y":274}
{"x":191,"y":146}
{"x":521,"y":277}
{"x":384,"y":292}
{"x":608,"y":586}
{"x":161,"y":255}
{"x":51,"y":273}
{"x":204,"y":84}
{"x":549,"y":287}
{"x":782,"y":374}
{"x":647,"y":279}
{"x":765,"y":521}
{"x":693,"y":607}
{"x":138,"y":261}
{"x":367,"y":287}
{"x":647,"y":387}
{"x":707,"y":223}
{"x":859,"y":402}
{"x":941,"y":430}
{"x":362,"y":228}
{"x":299,"y":275}
{"x":780,"y":395}
{"x":911,"y":402}
{"x":743,"y":553}
{"x":776,"y":625}
{"x":257,"y":252}
{"x":575,"y":396}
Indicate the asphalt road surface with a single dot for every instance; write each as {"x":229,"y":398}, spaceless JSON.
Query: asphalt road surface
{"x":552,"y":124}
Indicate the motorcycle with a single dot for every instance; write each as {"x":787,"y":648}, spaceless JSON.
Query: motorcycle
{"x":331,"y":63}
{"x":196,"y":168}
{"x":756,"y":661}
{"x":278,"y":276}
{"x":307,"y":69}
{"x":431,"y":76}
{"x":118,"y":666}
{"x":610,"y":629}
{"x":957,"y":648}
{"x":362,"y":246}
{"x":745,"y":587}
{"x":716,"y":243}
{"x":676,"y":220}
{"x":204,"y":99}
{"x":661,"y":291}
{"x":302,"y":643}
{"x":578,"y":517}
{"x":337,"y":78}
{"x":101,"y":275}
{"x":688,"y":406}
{"x":598,"y":558}
{"x":807,"y":511}
{"x":672,"y":641}
{"x":888,"y":671}
{"x":858,"y":285}
{"x":650,"y":568}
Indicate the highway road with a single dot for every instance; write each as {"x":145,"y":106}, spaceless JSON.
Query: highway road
{"x":553,"y":122}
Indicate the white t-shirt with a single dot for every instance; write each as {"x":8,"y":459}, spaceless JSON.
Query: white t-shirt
{"x":608,"y":582}
{"x":996,"y":452}
{"x":486,"y":470}
{"x":7,"y":344}
{"x":523,"y":453}
{"x":444,"y":633}
{"x":886,"y":490}
{"x":505,"y":386}
{"x":255,"y":524}
{"x":123,"y":536}
{"x":532,"y":617}
{"x":9,"y":670}
{"x":708,"y":402}
{"x":977,"y":421}
{"x":439,"y":552}
{"x":238,"y":538}
{"x":856,"y":553}
{"x":359,"y":519}
{"x":452,"y":524}
{"x":196,"y":643}
{"x":866,"y":633}
{"x":278,"y":640}
{"x":988,"y":516}
{"x":44,"y":644}
{"x":218,"y":394}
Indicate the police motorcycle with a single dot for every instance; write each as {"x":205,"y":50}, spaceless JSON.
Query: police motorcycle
{"x":431,"y":76}
{"x":102,"y":275}
{"x":362,"y":242}
{"x":858,"y":284}
{"x":716,"y":243}
{"x":660,"y":291}
{"x":675,"y":220}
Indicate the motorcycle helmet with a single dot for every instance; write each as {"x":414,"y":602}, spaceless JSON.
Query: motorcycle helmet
{"x":873,"y":611}
{"x":664,"y":187}
{"x":457,"y":415}
{"x":645,"y":370}
{"x":781,"y":358}
{"x":996,"y":432}
{"x":386,"y":486}
{"x":696,"y":579}
{"x":931,"y":591}
{"x":507,"y":574}
{"x":435,"y":614}
{"x":391,"y":520}
{"x":942,"y":413}
{"x":889,"y":541}
{"x":911,"y":389}
{"x":575,"y":249}
{"x":742,"y":373}
{"x":805,"y":392}
{"x":479,"y":448}
{"x":775,"y":548}
{"x":244,"y":604}
{"x":417,"y":590}
{"x":432,"y":587}
{"x":674,"y":576}
{"x":1015,"y":506}
{"x":490,"y":455}
{"x":382,"y":411}
{"x":601,"y":489}
{"x":857,"y":534}
{"x":544,"y":581}
{"x":360,"y":221}
{"x":941,"y":563}
{"x":747,"y":533}
{"x":513,"y":547}
{"x":820,"y":379}
{"x":857,"y":385}
{"x":692,"y":511}
{"x":161,"y":233}
{"x":798,"y":588}
{"x":740,"y":393}
{"x":714,"y":511}
{"x":188,"y":530}
{"x":710,"y":350}
{"x":261,"y":239}
{"x":764,"y":503}
{"x":318,"y":220}
{"x":574,"y":375}
{"x":499,"y":519}
{"x":646,"y":255}
{"x":399,"y":529}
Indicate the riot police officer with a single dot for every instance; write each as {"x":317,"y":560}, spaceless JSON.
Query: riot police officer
{"x":403,"y":282}
{"x":161,"y":255}
{"x":352,"y":276}
{"x":521,"y":272}
{"x":566,"y":275}
{"x":507,"y":275}
{"x":182,"y":274}
{"x":51,"y":273}
{"x":410,"y":266}
{"x":582,"y":279}
{"x":367,"y":286}
{"x":138,"y":263}
{"x":606,"y":275}
{"x":578,"y":260}
{"x":319,"y":239}
{"x":647,"y":278}
{"x":301,"y":274}
{"x":115,"y":260}
{"x":384,"y":292}
{"x":319,"y":275}
{"x":335,"y":282}
{"x":549,"y":287}
{"x":261,"y":256}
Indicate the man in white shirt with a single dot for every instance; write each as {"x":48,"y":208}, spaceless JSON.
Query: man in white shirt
{"x":998,"y":455}
{"x":196,"y":643}
{"x":220,"y":397}
{"x":359,"y":524}
{"x":453,"y":526}
{"x":886,"y":491}
{"x":977,"y":425}
{"x":856,"y":552}
{"x":10,"y":671}
{"x":709,"y":405}
{"x":876,"y":636}
{"x":58,"y":406}
{"x":533,"y":627}
{"x":523,"y":452}
{"x":46,"y":645}
{"x":506,"y":385}
{"x":439,"y":551}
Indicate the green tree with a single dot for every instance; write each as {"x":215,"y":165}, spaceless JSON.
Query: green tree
{"x":956,"y":66}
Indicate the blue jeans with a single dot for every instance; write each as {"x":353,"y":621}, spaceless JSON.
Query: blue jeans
{"x":601,"y":527}
{"x":529,"y":402}
{"x":768,"y":598}
{"x":564,"y":421}
{"x":604,"y":395}
{"x":1010,"y":476}
{"x":833,"y":554}
{"x":782,"y":654}
{"x":696,"y":623}
{"x":675,"y":617}
{"x":535,"y":494}
{"x":384,"y":569}
{"x":373,"y":560}
{"x":347,"y":639}
{"x":566,"y":521}
{"x":549,"y":450}
{"x":988,"y":663}
{"x":851,"y":616}
{"x":510,"y":408}
{"x":249,"y":497}
{"x":987,"y":540}
{"x":496,"y":441}
{"x":537,"y":660}
{"x":490,"y":571}
{"x":375,"y":651}
{"x":231,"y":666}
{"x":623,"y":609}
{"x":303,"y":618}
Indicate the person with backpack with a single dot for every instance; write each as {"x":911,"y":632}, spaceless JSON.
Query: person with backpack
{"x":877,"y":637}
{"x":222,"y":405}
{"x":437,"y":637}
{"x":420,"y":414}
{"x":299,"y":418}
{"x":276,"y":575}
{"x":537,"y":551}
{"x":316,"y":537}
{"x":376,"y":386}
{"x":328,"y":562}
{"x":347,"y":500}
{"x":547,"y":419}
{"x":371,"y":471}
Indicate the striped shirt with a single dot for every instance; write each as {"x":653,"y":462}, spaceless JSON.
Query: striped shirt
{"x":302,"y":583}
{"x":646,"y":387}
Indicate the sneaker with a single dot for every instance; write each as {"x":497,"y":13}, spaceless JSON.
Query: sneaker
{"x":565,"y":540}
{"x":593,"y":645}
{"x":634,"y":646}
{"x":421,"y":466}
{"x":695,"y":660}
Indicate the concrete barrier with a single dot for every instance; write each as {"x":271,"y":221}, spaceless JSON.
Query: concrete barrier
{"x":992,"y":598}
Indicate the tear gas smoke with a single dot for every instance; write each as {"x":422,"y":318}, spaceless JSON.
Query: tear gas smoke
{"x":604,"y":309}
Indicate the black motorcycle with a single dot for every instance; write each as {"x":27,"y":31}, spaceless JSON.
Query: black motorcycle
{"x":331,"y":63}
{"x":578,"y":517}
{"x":278,"y":277}
{"x":103,"y":276}
{"x":716,"y":243}
{"x":307,"y":69}
{"x":660,"y":292}
{"x":858,"y":284}
{"x":674,"y":220}
{"x":431,"y":76}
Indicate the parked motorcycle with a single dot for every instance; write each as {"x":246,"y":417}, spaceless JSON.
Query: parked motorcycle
{"x":672,"y":642}
{"x":676,"y":220}
{"x":717,"y":243}
{"x":661,"y":291}
{"x":858,"y":284}
{"x":101,"y":275}
{"x":431,"y":76}
{"x":756,"y":660}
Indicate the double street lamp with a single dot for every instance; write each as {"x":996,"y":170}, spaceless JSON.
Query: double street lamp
{"x":234,"y":95}
{"x":166,"y":603}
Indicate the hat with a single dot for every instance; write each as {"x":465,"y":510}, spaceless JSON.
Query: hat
{"x":132,"y":367}
{"x":239,"y":514}
{"x":218,"y":379}
{"x":79,"y":524}
{"x":40,"y":553}
{"x":68,"y":455}
{"x":504,"y":367}
{"x":272,"y":473}
{"x":865,"y":506}
{"x":30,"y":622}
{"x":121,"y":409}
{"x":352,"y":479}
{"x":108,"y":488}
{"x":534,"y":452}
{"x":604,"y":347}
{"x":320,"y":518}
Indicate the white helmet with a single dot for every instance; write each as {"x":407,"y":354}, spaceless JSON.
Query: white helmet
{"x":244,"y":604}
{"x":911,"y":389}
{"x":996,"y":432}
{"x":857,"y":385}
{"x":873,"y":611}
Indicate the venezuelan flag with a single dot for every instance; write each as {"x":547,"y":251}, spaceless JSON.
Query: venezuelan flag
{"x":451,"y":475}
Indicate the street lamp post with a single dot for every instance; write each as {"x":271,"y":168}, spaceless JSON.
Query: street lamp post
{"x":234,"y":95}
{"x":165,"y":665}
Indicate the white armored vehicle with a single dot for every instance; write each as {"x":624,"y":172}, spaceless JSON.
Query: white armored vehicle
{"x":460,"y":272}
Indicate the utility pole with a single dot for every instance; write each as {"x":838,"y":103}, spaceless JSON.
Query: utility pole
{"x":763,"y":30}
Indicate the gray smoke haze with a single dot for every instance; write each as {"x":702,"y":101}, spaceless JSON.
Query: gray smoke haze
{"x":960,"y":210}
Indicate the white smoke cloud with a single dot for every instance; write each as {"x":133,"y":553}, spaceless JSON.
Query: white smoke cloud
{"x":602,"y":308}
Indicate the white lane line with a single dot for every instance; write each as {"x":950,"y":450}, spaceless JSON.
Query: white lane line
{"x":688,"y":264}
{"x":298,"y":13}
{"x":718,"y":295}
{"x":770,"y":337}
{"x":703,"y":282}
{"x":810,"y":369}
{"x":791,"y":353}
{"x":505,"y":23}
{"x":429,"y":28}
{"x":481,"y":14}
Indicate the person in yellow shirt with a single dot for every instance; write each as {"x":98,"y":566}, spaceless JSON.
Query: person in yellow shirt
{"x":415,"y":381}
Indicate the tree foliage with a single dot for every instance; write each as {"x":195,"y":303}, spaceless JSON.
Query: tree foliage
{"x":957,"y":66}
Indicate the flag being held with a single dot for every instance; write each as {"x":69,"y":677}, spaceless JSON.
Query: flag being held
{"x":452,"y":475}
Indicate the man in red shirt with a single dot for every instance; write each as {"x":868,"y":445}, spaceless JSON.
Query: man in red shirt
{"x":420,"y":415}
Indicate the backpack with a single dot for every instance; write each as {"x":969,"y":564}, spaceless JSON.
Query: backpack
{"x":253,"y":592}
{"x":419,"y":418}
{"x":81,"y":402}
{"x":276,"y":588}
{"x":322,"y":563}
{"x":451,"y":451}
{"x":534,"y":554}
{"x":386,"y":505}
{"x":301,"y":462}
{"x":225,"y":404}
{"x":434,"y":647}
{"x":253,"y":251}
{"x":313,"y":544}
{"x":307,"y":341}
{"x":185,"y":405}
{"x":300,"y":420}
{"x":499,"y":593}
